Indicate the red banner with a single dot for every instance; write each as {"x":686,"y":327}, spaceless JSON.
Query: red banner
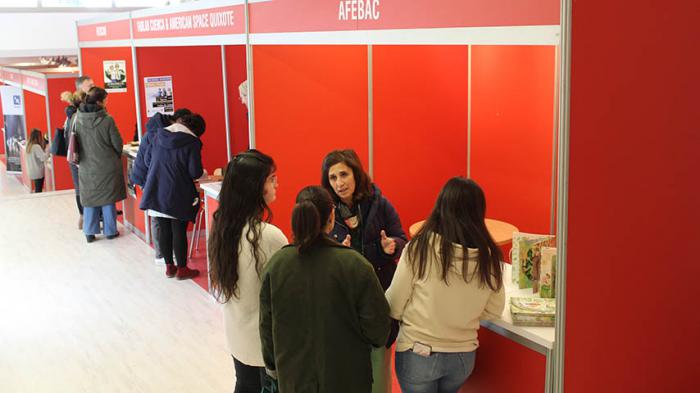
{"x":107,"y":31}
{"x":276,"y":16}
{"x":12,"y":76}
{"x":34,"y":82}
{"x":212,"y":21}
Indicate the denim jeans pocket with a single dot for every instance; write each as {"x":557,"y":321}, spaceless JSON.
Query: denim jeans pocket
{"x":414,"y":368}
{"x":468,"y":361}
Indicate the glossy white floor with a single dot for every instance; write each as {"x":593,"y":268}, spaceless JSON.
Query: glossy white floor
{"x":100,"y":317}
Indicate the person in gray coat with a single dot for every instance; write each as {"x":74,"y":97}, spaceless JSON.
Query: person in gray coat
{"x":101,"y":175}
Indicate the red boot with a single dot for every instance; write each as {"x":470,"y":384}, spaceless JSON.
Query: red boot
{"x":170,"y":271}
{"x":184,"y":272}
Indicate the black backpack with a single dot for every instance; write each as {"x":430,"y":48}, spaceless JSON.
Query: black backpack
{"x":59,"y":147}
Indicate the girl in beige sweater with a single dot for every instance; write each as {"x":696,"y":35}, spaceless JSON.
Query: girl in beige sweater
{"x":448,"y":278}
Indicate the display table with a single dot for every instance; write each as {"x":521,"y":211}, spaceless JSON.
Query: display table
{"x":134,"y":218}
{"x":501,"y":232}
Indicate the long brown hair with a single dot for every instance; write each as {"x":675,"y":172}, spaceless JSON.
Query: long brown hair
{"x":35,"y":138}
{"x":241,"y":202}
{"x":313,"y":208}
{"x":458,"y":218}
{"x":363,"y":184}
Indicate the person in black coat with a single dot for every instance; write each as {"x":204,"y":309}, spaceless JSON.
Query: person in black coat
{"x":367,"y":222}
{"x":173,"y":162}
{"x":139,"y":171}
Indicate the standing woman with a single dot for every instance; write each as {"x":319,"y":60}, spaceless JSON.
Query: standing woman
{"x":73,"y":100}
{"x":36,"y":157}
{"x":448,"y":279}
{"x":321,"y":307}
{"x":367,"y":222}
{"x":174,"y":162}
{"x":240,"y":243}
{"x":101,"y":175}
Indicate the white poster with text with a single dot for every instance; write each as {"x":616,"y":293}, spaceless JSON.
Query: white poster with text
{"x":115,"y":75}
{"x":159,"y":95}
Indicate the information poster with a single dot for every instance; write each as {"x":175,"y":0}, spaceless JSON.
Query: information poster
{"x":15,"y":130}
{"x":159,"y":95}
{"x":115,"y":75}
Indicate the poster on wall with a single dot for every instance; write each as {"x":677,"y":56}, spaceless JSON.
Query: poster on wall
{"x":159,"y":95}
{"x":15,"y":131}
{"x":115,"y":75}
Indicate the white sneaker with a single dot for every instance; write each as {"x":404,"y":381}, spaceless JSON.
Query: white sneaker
{"x":160,"y":261}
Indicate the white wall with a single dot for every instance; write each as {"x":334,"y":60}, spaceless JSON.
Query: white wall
{"x":40,"y":34}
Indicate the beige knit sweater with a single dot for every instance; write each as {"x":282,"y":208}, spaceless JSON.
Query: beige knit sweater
{"x":446,"y":317}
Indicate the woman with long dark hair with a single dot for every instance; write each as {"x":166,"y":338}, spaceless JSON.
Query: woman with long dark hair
{"x":322,"y":308}
{"x":448,"y":278}
{"x":367,"y":222}
{"x":240,"y":243}
{"x":36,"y":158}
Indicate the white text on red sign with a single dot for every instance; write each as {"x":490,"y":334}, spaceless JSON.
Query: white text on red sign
{"x":187,"y":22}
{"x":358,"y":10}
{"x":101,"y":31}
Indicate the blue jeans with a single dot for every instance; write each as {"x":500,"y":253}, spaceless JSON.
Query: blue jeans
{"x":91,"y":220}
{"x":441,"y":372}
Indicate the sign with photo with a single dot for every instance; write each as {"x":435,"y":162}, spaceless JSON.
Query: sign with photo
{"x":115,"y":75}
{"x":159,"y":95}
{"x":15,"y":130}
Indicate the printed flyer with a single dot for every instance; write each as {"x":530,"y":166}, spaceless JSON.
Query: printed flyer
{"x":115,"y":75}
{"x":159,"y":95}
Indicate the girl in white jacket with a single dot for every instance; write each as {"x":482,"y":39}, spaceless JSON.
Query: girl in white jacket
{"x":240,"y":243}
{"x":36,"y":159}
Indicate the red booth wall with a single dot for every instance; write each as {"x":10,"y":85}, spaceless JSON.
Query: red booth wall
{"x":420,"y":124}
{"x":237,"y":112}
{"x":121,"y":106}
{"x":633,"y":195}
{"x":309,"y":100}
{"x":58,"y":117}
{"x":35,"y":112}
{"x":197,"y":85}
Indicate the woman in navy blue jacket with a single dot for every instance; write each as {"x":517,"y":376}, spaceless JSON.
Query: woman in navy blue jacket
{"x":174,"y":161}
{"x":366,"y":221}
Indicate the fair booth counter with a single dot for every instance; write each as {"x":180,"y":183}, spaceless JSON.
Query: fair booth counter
{"x":43,"y":110}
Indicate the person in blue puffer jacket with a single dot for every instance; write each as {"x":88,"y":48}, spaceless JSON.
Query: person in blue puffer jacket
{"x":139,"y":171}
{"x":173,"y":162}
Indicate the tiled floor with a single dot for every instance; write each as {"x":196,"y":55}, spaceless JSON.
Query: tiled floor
{"x":100,"y":317}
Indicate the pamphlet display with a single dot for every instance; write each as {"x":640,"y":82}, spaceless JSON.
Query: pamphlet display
{"x":533,"y":311}
{"x":159,"y":95}
{"x":548,"y":272}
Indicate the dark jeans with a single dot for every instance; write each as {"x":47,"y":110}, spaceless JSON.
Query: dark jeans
{"x":38,"y":185}
{"x":249,"y":379}
{"x":441,"y":372}
{"x":76,"y":186}
{"x":173,"y":237}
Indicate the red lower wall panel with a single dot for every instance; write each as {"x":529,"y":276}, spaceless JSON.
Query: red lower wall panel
{"x":504,"y":366}
{"x":309,"y":100}
{"x":238,"y":113}
{"x":197,"y":85}
{"x":512,"y":131}
{"x":121,"y":106}
{"x":420,"y":123}
{"x":633,"y":199}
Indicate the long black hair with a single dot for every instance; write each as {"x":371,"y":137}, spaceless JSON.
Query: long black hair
{"x":313,"y":208}
{"x":241,"y":202}
{"x":458,"y":218}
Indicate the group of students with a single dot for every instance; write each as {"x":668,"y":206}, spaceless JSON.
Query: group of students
{"x":318,"y":315}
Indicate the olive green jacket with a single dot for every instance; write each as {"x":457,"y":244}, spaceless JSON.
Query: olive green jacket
{"x":101,"y":173}
{"x":320,"y":316}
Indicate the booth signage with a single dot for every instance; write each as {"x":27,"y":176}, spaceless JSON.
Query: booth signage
{"x":12,"y":76}
{"x":33,"y":82}
{"x":213,"y":21}
{"x":114,"y":74}
{"x":159,"y":95}
{"x":276,"y":16}
{"x":107,"y":31}
{"x":15,"y":131}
